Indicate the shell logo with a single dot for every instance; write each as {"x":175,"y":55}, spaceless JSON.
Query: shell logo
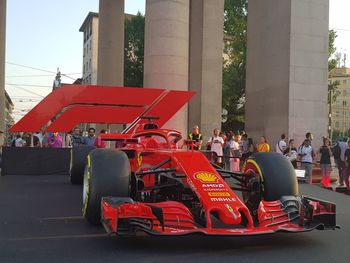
{"x":206,"y":177}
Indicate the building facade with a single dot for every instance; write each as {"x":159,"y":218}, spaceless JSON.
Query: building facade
{"x":9,"y":121}
{"x":340,"y":107}
{"x":90,"y":48}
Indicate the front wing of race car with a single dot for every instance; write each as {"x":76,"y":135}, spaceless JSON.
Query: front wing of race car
{"x":123,"y":216}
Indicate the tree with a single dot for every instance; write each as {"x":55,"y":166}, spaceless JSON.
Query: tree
{"x":332,"y":86}
{"x":134,"y":51}
{"x":234,"y":68}
{"x":332,"y":64}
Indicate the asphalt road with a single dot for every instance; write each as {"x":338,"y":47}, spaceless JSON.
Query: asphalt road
{"x":40,"y":221}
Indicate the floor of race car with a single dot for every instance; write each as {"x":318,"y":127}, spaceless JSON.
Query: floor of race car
{"x":40,"y":221}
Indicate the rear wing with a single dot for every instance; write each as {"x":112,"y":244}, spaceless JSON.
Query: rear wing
{"x":65,"y":108}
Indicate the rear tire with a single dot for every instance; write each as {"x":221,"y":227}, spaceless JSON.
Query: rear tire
{"x":78,"y":162}
{"x":277,"y":177}
{"x":107,"y":174}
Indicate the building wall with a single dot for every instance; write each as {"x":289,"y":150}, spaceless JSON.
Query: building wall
{"x":340,"y":114}
{"x":90,"y":49}
{"x":2,"y":66}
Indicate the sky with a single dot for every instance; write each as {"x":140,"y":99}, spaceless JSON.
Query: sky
{"x":44,"y":34}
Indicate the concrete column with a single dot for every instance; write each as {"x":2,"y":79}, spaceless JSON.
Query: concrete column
{"x":205,"y":67}
{"x":286,"y":88}
{"x":110,"y":67}
{"x":2,"y":67}
{"x":166,"y":50}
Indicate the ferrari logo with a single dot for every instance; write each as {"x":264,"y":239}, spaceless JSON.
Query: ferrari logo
{"x":206,"y":177}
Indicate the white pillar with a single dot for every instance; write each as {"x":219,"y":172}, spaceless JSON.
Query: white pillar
{"x":205,"y":68}
{"x":110,"y":68}
{"x":167,"y":49}
{"x":286,"y":88}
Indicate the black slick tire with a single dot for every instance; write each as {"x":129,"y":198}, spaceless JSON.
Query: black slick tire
{"x":277,"y":175}
{"x":107,"y":174}
{"x":78,"y":162}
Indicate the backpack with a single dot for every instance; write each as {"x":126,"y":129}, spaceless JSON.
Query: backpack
{"x":336,"y":151}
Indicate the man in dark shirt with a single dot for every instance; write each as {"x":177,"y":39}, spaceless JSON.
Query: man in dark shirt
{"x":196,"y":137}
{"x":76,"y":140}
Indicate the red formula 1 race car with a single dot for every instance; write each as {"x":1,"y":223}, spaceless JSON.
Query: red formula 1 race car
{"x":149,"y":185}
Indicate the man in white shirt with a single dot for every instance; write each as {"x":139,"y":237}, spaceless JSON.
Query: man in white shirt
{"x":281,"y":144}
{"x":216,"y":144}
{"x":19,"y":141}
{"x":306,"y":154}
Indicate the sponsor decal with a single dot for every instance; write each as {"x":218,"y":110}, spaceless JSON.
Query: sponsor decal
{"x":206,"y":177}
{"x":219,"y":194}
{"x":214,"y":189}
{"x":213,"y":185}
{"x":223,"y":199}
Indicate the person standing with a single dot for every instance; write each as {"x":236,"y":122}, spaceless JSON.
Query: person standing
{"x":216,"y":144}
{"x":263,"y":146}
{"x":19,"y":142}
{"x":90,"y":139}
{"x":55,"y":141}
{"x":40,"y":136}
{"x":196,"y":137}
{"x":306,"y":154}
{"x":325,"y":161}
{"x":226,"y":150}
{"x":281,"y":144}
{"x":235,"y":154}
{"x":76,"y":138}
{"x":309,"y":136}
{"x":347,"y":169}
{"x":342,"y":164}
{"x":291,"y":152}
{"x":98,"y":141}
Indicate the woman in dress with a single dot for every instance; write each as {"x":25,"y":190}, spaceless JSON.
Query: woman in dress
{"x":325,"y":161}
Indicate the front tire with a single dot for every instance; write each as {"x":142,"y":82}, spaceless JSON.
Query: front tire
{"x":107,"y":174}
{"x":276,"y":175}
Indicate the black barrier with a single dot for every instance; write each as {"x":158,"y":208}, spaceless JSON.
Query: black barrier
{"x":35,"y":161}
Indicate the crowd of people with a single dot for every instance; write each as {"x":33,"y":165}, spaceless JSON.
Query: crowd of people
{"x":232,"y":149}
{"x":57,"y":140}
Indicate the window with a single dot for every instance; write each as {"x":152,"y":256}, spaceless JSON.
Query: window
{"x":344,"y":93}
{"x":337,"y":124}
{"x":344,"y":81}
{"x":90,"y":44}
{"x":337,"y":114}
{"x":90,"y":64}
